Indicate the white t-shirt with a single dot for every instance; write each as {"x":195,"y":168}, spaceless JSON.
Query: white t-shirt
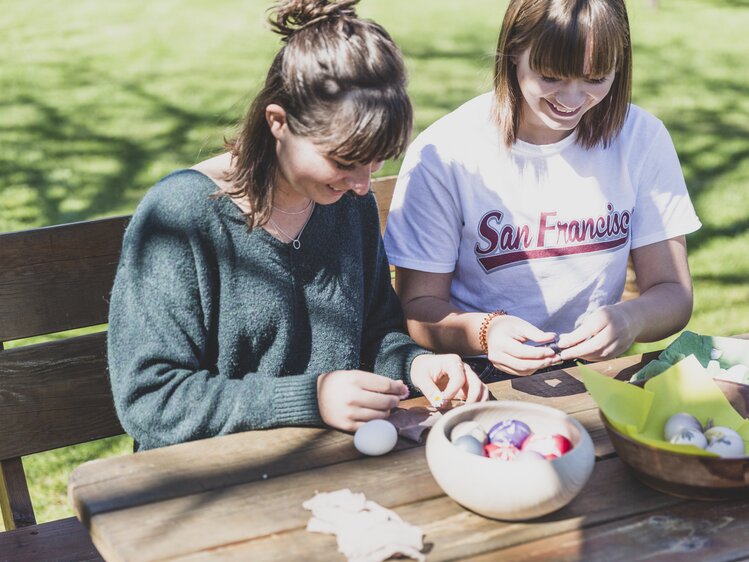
{"x":541,"y":231}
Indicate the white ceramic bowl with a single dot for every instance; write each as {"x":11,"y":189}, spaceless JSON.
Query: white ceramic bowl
{"x":510,"y":490}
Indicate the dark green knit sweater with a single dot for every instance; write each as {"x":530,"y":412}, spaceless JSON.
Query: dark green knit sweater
{"x":215,"y":330}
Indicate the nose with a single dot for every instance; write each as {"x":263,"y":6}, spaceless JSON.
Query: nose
{"x":571,"y":94}
{"x":358,"y":179}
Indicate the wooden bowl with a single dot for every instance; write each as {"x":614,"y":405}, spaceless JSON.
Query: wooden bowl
{"x":683,"y":475}
{"x":510,"y":490}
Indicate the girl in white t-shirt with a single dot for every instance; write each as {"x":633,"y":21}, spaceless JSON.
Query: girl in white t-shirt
{"x":514,"y":216}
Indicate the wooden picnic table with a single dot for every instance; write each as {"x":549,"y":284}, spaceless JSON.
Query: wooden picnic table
{"x":239,"y":497}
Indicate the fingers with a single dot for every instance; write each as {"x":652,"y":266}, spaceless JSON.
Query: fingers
{"x":346,"y":401}
{"x":591,"y":326}
{"x":454,"y":368}
{"x":586,"y":341}
{"x":381,"y":384}
{"x":526,"y":351}
{"x":474,"y":389}
{"x":521,"y":366}
{"x":599,"y":347}
{"x":432,"y":392}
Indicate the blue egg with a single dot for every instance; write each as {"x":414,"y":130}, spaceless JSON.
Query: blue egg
{"x":469,"y":444}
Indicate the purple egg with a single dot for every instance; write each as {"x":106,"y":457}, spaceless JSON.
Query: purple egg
{"x":511,"y":432}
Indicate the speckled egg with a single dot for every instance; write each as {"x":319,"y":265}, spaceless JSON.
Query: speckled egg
{"x":678,"y":422}
{"x":725,"y":442}
{"x":689,"y":436}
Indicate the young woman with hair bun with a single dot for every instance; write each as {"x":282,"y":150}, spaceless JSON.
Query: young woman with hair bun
{"x":253,"y":289}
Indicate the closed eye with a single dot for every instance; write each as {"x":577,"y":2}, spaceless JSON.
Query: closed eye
{"x":344,"y":166}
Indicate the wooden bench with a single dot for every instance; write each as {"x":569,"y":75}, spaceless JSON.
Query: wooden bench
{"x":56,"y":393}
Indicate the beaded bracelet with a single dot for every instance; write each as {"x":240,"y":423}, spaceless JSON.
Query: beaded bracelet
{"x":485,"y":328}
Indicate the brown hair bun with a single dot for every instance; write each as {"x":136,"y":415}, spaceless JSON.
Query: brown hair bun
{"x":288,"y":16}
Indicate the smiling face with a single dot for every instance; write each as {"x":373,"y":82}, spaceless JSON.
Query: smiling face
{"x":552,"y":107}
{"x":563,"y":66}
{"x":306,"y":171}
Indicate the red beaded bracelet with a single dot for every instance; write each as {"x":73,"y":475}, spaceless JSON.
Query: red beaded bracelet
{"x":485,"y":328}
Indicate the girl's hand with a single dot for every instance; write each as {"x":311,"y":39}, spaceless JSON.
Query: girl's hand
{"x":508,"y":352}
{"x":606,"y":333}
{"x":348,"y":399}
{"x":444,"y":377}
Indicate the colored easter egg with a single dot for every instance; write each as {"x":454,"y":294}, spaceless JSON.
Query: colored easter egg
{"x":528,"y":455}
{"x":469,"y":444}
{"x":678,"y":422}
{"x":471,"y":428}
{"x":689,"y":436}
{"x":376,"y":437}
{"x":501,"y":451}
{"x":725,"y":442}
{"x":512,"y":432}
{"x":550,"y":446}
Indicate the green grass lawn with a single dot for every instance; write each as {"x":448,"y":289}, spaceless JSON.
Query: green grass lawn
{"x":101,"y":99}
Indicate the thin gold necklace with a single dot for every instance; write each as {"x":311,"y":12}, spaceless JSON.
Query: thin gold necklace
{"x":280,"y":210}
{"x":295,"y":243}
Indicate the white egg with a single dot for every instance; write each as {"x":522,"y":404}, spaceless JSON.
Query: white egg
{"x":376,"y":437}
{"x":678,"y":422}
{"x":689,"y":436}
{"x":725,"y":442}
{"x":471,"y":428}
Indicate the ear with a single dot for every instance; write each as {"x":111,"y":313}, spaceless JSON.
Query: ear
{"x":275,"y":115}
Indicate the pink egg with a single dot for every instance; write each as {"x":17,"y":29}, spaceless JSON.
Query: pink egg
{"x":503,"y":452}
{"x":550,"y":446}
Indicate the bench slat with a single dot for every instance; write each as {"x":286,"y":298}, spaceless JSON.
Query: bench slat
{"x":383,"y":190}
{"x":14,"y":495}
{"x":57,"y":278}
{"x":55,"y":394}
{"x":64,"y":540}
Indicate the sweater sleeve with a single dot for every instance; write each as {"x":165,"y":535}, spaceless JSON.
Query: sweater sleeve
{"x":165,"y":384}
{"x":385,"y":344}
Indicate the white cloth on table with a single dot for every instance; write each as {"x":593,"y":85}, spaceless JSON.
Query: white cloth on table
{"x":366,"y":531}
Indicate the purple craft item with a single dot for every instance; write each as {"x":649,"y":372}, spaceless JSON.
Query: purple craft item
{"x":511,"y":432}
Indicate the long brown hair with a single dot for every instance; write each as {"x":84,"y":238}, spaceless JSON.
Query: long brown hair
{"x":342,"y":83}
{"x":565,"y":37}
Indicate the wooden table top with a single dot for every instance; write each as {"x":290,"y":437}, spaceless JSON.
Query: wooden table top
{"x":239,"y":497}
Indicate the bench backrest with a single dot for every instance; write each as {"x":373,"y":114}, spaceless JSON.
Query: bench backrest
{"x":57,"y":393}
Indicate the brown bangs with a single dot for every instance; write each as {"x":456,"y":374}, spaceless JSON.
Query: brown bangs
{"x":577,"y":44}
{"x":371,"y":125}
{"x":568,"y":39}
